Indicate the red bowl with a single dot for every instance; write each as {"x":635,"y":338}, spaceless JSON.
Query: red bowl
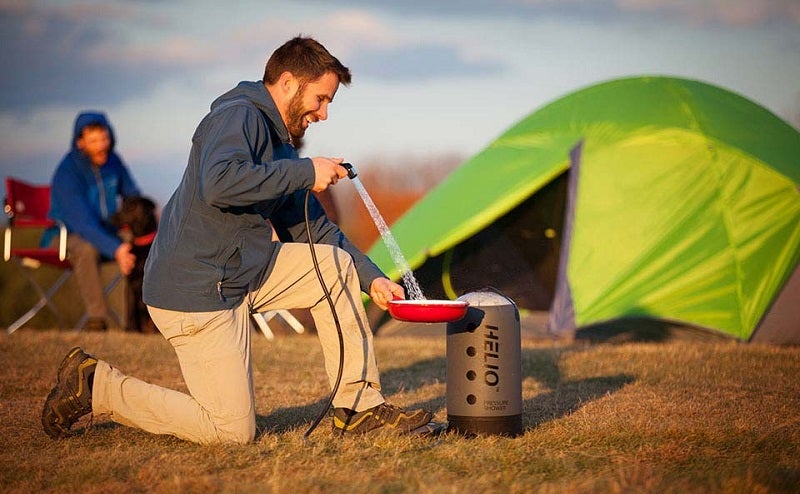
{"x":428,"y":310}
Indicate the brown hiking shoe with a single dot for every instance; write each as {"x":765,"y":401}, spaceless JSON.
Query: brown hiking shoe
{"x":383,"y":415}
{"x":71,"y":398}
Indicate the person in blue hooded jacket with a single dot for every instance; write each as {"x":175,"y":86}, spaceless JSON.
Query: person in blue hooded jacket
{"x":85,"y":192}
{"x":214,"y":261}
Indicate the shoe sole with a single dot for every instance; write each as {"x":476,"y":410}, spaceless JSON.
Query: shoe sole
{"x":431,"y":429}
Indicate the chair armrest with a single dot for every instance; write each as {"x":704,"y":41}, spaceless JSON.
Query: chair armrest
{"x":7,"y":243}
{"x":62,"y":236}
{"x":62,"y":241}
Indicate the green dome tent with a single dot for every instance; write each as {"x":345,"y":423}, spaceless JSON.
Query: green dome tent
{"x":680,"y":204}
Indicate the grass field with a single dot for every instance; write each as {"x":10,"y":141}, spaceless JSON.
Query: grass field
{"x":682,"y":416}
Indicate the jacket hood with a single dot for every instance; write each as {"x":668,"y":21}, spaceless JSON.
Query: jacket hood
{"x":87,"y":118}
{"x":256,"y":93}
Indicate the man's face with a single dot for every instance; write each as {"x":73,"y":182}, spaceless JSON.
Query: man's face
{"x":310,"y":104}
{"x":95,"y":143}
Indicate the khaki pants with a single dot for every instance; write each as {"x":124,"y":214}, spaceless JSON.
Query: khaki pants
{"x":213,"y":349}
{"x":86,"y":262}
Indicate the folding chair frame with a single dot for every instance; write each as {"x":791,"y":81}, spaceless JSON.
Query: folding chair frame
{"x":28,"y":259}
{"x":262,"y":320}
{"x":44,"y":297}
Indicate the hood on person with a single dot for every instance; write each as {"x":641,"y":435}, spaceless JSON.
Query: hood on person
{"x":93,"y":137}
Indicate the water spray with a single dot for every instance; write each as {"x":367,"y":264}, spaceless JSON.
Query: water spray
{"x":416,"y":309}
{"x":413,"y":290}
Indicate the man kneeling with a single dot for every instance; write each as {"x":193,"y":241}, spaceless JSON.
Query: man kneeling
{"x":213,"y":262}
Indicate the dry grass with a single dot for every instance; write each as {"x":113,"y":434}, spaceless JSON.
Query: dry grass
{"x":667,"y":417}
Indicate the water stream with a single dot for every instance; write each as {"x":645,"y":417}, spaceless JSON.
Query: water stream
{"x":413,"y":291}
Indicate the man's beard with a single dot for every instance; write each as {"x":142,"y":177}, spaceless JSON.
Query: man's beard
{"x":98,"y":158}
{"x":295,"y":115}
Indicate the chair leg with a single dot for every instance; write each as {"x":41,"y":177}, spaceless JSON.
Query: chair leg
{"x":293,"y":322}
{"x":263,"y":318}
{"x":44,"y":300}
{"x":108,"y":289}
{"x":262,"y":324}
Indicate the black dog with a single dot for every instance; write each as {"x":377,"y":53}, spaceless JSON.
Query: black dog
{"x":137,"y":223}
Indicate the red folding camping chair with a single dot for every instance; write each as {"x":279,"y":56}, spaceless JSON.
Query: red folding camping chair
{"x":27,"y":207}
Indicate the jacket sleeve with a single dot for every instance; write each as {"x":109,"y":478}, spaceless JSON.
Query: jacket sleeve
{"x":69,"y":192}
{"x":289,"y":223}
{"x":236,"y":159}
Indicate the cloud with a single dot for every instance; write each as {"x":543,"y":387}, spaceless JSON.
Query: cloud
{"x":374,"y":48}
{"x":419,"y":62}
{"x":96,"y":54}
{"x":371,"y":46}
{"x":50,"y":56}
{"x":92,"y":53}
{"x":724,"y":12}
{"x":482,"y":9}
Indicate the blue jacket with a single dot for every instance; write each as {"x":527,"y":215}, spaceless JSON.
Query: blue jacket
{"x":84,"y":196}
{"x":214,"y":242}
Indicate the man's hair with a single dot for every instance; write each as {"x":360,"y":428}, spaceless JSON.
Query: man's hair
{"x":92,"y":126}
{"x":306,"y":59}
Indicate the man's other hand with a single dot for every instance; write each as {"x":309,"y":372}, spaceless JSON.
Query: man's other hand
{"x":384,"y":290}
{"x":125,"y":258}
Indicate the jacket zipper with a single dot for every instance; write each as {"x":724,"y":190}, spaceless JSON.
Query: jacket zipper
{"x":101,"y":192}
{"x":219,"y":283}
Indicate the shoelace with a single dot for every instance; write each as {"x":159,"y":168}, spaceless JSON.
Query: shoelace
{"x":385,"y":412}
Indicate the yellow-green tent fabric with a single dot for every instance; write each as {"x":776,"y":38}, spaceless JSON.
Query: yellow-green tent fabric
{"x":685,"y":206}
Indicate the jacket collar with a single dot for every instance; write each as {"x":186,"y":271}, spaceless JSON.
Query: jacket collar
{"x":256,"y":93}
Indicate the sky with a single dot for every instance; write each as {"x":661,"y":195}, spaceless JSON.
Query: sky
{"x":430,"y":77}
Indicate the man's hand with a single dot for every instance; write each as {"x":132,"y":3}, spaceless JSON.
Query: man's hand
{"x":125,"y":258}
{"x":384,"y":290}
{"x":327,"y":171}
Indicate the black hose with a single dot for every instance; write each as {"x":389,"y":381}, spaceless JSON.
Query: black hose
{"x":335,"y":320}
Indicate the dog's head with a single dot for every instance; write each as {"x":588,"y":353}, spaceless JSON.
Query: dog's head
{"x":138,"y":214}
